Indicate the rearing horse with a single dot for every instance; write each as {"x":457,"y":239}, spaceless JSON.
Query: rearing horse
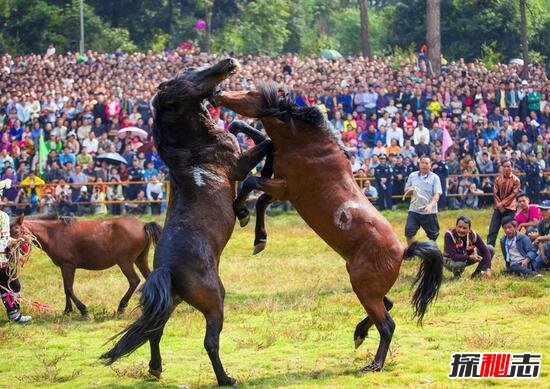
{"x":204,"y":162}
{"x":312,"y":171}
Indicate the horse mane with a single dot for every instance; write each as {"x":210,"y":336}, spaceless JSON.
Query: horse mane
{"x":276,"y":102}
{"x":67,"y":220}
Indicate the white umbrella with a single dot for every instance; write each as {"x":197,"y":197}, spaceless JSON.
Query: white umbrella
{"x":112,"y":158}
{"x":517,"y":61}
{"x":135,"y":131}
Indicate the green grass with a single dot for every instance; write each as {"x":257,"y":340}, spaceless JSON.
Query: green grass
{"x":289,"y":320}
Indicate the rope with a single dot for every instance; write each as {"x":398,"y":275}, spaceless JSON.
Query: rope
{"x":418,"y":199}
{"x":19,"y":252}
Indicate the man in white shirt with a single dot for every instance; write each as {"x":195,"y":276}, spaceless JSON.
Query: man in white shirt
{"x":394,"y":132}
{"x":91,"y":143}
{"x":420,"y":132}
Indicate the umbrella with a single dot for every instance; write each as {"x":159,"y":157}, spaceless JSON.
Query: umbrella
{"x":517,"y":61}
{"x":112,"y":158}
{"x":330,"y":54}
{"x":135,"y":131}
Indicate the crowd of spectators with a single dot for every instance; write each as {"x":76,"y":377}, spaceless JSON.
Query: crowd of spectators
{"x":468,"y":119}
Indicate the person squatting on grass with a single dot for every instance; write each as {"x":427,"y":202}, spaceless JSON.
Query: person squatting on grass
{"x":506,"y":188}
{"x":518,"y":251}
{"x":463,"y":247}
{"x":9,"y":289}
{"x":541,"y":238}
{"x":528,"y":215}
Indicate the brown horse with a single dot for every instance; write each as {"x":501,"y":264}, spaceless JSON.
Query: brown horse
{"x":92,"y":245}
{"x":312,"y":171}
{"x":204,"y":162}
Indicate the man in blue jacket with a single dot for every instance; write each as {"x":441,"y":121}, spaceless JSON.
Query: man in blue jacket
{"x":518,"y":251}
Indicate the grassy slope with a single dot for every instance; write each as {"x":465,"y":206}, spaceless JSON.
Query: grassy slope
{"x":290,"y":316}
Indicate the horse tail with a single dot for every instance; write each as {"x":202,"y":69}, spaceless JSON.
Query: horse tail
{"x":156,"y":306}
{"x":429,"y":276}
{"x":153,"y":231}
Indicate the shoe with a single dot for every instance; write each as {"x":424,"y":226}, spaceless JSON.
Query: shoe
{"x":23,"y":319}
{"x":537,"y":275}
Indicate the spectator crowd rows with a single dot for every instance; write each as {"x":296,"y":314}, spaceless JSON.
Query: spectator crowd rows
{"x":468,"y":119}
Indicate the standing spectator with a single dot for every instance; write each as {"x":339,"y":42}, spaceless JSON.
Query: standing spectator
{"x":528,"y":215}
{"x":463,"y":247}
{"x":371,"y":192}
{"x":533,"y":179}
{"x":505,"y":190}
{"x":383,"y":174}
{"x":440,"y":168}
{"x":154,"y":193}
{"x":10,"y":288}
{"x":426,"y":188}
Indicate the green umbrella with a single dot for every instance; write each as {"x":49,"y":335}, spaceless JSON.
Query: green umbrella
{"x":330,"y":54}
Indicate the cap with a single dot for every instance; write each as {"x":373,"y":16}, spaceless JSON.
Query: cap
{"x":382,"y":156}
{"x":545,"y":204}
{"x":524,"y":82}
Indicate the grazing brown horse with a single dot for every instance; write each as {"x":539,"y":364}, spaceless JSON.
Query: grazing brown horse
{"x":204,"y":162}
{"x":312,"y":171}
{"x":92,"y":245}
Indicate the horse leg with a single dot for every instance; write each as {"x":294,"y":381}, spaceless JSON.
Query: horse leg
{"x":155,"y":363}
{"x":251,"y":158}
{"x":142,"y":262}
{"x":68,"y":303}
{"x":260,"y":239}
{"x":237,"y":126}
{"x":133,"y":281}
{"x":362,"y":328}
{"x":67,"y":271}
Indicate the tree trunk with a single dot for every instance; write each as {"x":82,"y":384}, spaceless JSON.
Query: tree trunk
{"x":208,"y":17}
{"x":365,"y":41}
{"x":524,"y":42}
{"x":433,"y":35}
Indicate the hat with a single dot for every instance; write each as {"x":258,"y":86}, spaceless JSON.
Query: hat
{"x":545,"y":204}
{"x":524,"y":82}
{"x":84,"y":189}
{"x":382,"y":156}
{"x":71,"y":133}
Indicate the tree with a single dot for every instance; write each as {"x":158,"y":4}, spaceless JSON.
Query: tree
{"x":433,"y":34}
{"x":524,"y":41}
{"x":365,"y":41}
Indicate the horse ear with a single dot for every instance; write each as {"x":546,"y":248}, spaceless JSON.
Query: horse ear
{"x":19,"y":220}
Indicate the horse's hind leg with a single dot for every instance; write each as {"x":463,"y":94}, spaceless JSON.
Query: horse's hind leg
{"x":155,"y":364}
{"x":362,"y":328}
{"x":142,"y":262}
{"x":67,"y":272}
{"x":260,"y":239}
{"x":207,"y":296}
{"x":133,"y":281}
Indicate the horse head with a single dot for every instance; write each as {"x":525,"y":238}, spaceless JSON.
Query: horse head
{"x":16,"y":226}
{"x":180,"y":101}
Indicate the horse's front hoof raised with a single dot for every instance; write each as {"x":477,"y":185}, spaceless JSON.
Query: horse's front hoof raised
{"x":156,"y":373}
{"x":228,"y":381}
{"x":371,"y":367}
{"x":358,"y":341}
{"x":259,"y":247}
{"x":243,"y":222}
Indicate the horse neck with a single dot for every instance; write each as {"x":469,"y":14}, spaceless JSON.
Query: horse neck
{"x":40,"y":229}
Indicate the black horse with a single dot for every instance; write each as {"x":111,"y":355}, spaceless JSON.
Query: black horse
{"x":204,"y":164}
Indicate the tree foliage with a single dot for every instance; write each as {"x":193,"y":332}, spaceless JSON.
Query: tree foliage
{"x":273,"y":26}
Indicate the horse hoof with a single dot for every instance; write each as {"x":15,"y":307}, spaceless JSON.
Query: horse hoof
{"x":156,"y":373}
{"x":371,"y":367}
{"x":259,"y":247}
{"x":244,"y":221}
{"x":67,"y":313}
{"x":85,"y":315}
{"x":358,"y":341}
{"x":228,"y":382}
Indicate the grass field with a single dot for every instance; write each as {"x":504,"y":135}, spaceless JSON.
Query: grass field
{"x":290,"y":317}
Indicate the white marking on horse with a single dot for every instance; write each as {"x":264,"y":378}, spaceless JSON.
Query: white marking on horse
{"x":199,"y":174}
{"x":342,"y":216}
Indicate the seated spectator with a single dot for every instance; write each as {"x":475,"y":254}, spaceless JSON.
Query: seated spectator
{"x":371,"y":192}
{"x":140,"y":206}
{"x":463,"y":247}
{"x":471,"y":196}
{"x":528,"y":215}
{"x":519,"y":253}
